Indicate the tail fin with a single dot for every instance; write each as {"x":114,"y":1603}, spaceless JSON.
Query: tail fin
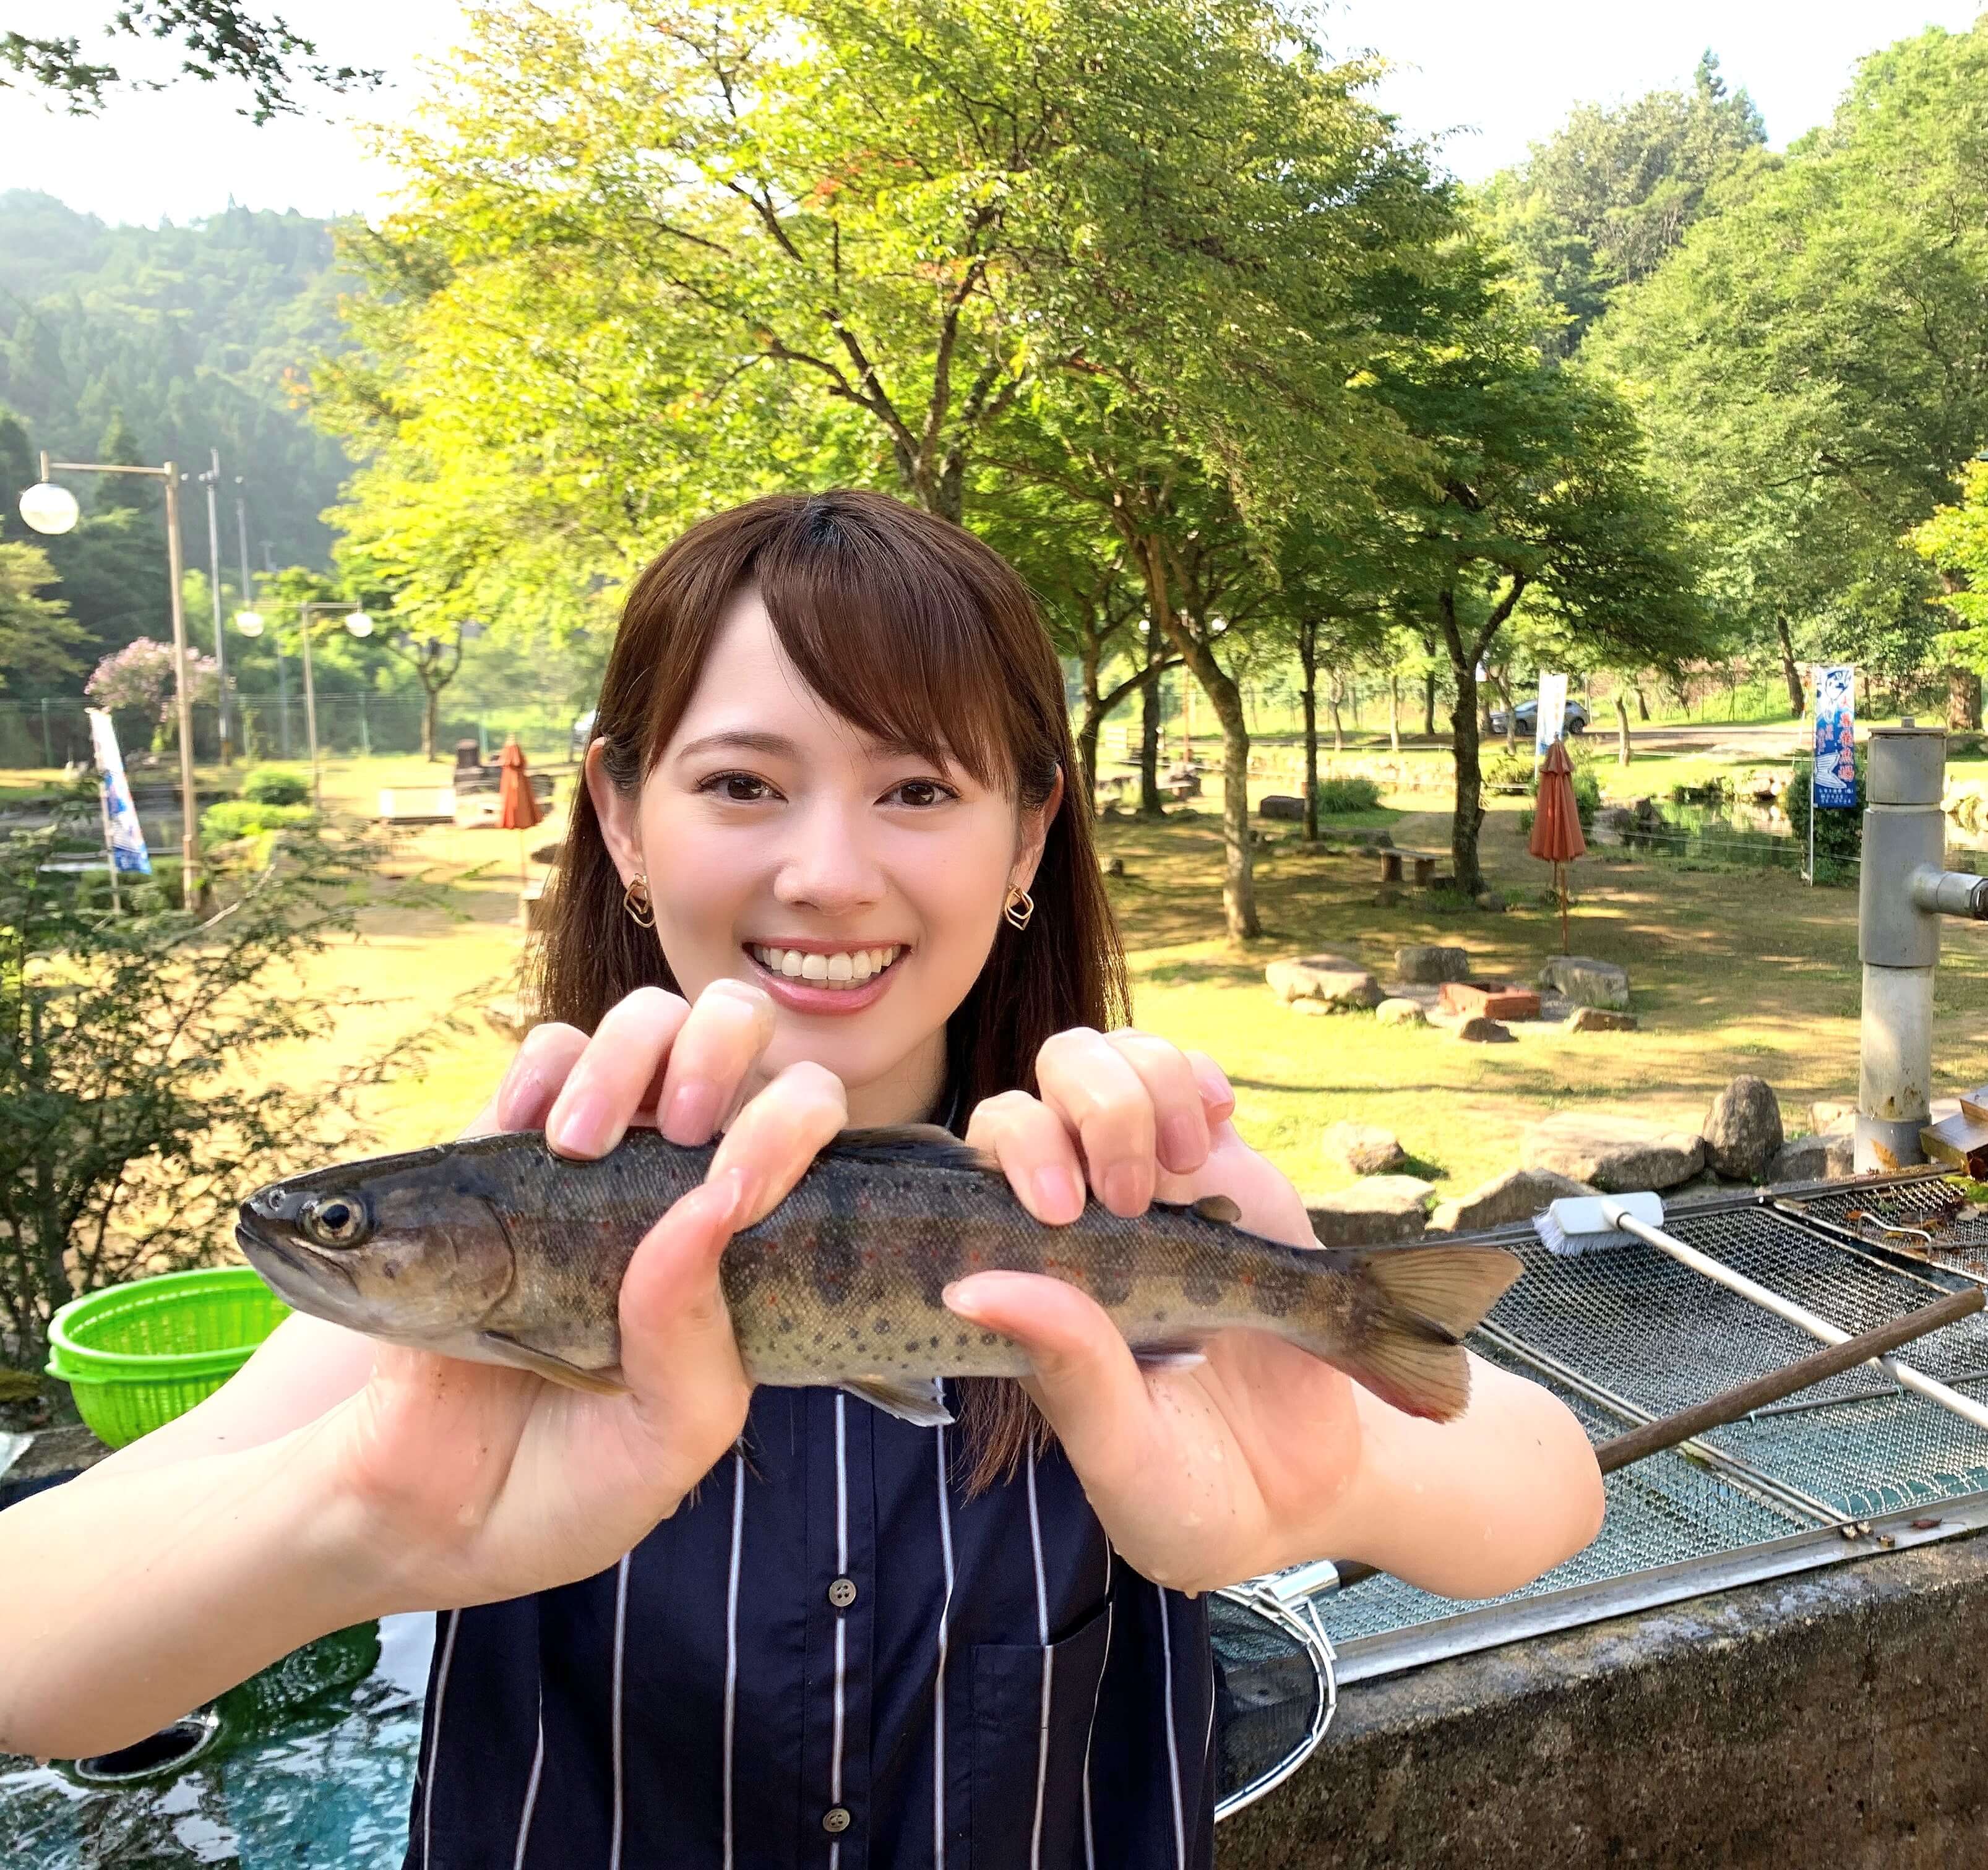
{"x":1417,"y":1305}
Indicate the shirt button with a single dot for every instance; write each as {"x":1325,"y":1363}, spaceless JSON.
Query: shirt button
{"x":835,"y":1818}
{"x":842,"y":1593}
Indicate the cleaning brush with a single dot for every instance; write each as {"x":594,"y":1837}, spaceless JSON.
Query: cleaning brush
{"x":1592,"y":1223}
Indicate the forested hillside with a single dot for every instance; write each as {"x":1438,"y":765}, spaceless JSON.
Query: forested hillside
{"x":191,"y":334}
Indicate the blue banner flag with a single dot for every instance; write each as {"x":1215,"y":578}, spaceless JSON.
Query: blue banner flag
{"x":1835,"y":736}
{"x":123,"y":834}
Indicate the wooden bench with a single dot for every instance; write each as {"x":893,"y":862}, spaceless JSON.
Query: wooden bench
{"x":1424,"y":862}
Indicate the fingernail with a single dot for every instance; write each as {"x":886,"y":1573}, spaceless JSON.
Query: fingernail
{"x":1125,"y":1191}
{"x":585,"y":1126}
{"x":1215,"y":1087}
{"x":1181,"y":1147}
{"x":739,"y":1198}
{"x":959,"y":1301}
{"x":521,"y":1098}
{"x":1059,"y":1191}
{"x":693,"y":1113}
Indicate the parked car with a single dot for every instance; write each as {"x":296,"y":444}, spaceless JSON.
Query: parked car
{"x":581,"y":737}
{"x":1528,"y":714}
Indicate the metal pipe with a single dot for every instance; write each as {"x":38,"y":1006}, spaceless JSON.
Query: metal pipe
{"x":190,"y":830}
{"x":1950,"y":893}
{"x":210,"y":481}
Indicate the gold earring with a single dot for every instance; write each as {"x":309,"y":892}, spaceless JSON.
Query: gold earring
{"x":637,"y":901}
{"x":1019,"y":908}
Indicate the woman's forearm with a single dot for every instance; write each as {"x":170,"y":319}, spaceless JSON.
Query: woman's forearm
{"x":1480,"y":1506}
{"x":135,"y":1596}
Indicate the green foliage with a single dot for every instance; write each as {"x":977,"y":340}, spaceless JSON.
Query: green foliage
{"x":243,"y":818}
{"x":1839,"y":831}
{"x":39,"y":638}
{"x":275,"y":785}
{"x":133,"y":1111}
{"x":1509,"y":772}
{"x":1345,"y":792}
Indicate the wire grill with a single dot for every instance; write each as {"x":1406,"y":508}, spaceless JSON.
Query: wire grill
{"x":1632,"y":1324}
{"x":1959,"y":1242}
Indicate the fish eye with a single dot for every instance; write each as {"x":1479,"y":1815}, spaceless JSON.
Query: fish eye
{"x":336,"y":1221}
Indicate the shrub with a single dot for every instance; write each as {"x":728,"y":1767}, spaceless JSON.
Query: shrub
{"x":245,"y":818}
{"x":1342,"y":792}
{"x":276,"y":785}
{"x":1509,"y":772}
{"x":1839,"y":832}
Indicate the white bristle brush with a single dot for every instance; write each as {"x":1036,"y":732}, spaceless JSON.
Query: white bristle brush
{"x":1592,"y":1223}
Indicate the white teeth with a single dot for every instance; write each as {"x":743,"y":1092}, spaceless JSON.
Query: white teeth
{"x":850,"y":968}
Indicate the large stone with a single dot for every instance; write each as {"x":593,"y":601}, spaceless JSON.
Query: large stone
{"x":1587,"y":982}
{"x":1479,"y":1029}
{"x":1363,"y":1149}
{"x":1517,"y":1195}
{"x":1814,"y":1159}
{"x":1281,"y":806}
{"x":1743,"y":1129}
{"x":1600,"y":1019}
{"x":1830,"y":1116}
{"x":1375,"y":1212}
{"x":1329,"y":979}
{"x":1617,"y":1154}
{"x":1426,"y":963}
{"x":1400,"y":1013}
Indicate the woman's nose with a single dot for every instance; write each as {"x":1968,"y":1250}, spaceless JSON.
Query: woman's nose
{"x":829,"y":865}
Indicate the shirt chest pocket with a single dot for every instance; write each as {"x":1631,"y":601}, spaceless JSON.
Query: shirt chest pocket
{"x":1030,"y":1720}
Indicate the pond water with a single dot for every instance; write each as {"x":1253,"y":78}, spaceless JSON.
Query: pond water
{"x":329,"y":1785}
{"x":1743,"y":831}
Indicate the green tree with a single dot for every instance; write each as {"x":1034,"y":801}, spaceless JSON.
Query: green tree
{"x":39,"y":640}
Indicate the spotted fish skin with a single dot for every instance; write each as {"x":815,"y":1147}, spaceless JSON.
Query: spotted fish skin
{"x":497,"y":1249}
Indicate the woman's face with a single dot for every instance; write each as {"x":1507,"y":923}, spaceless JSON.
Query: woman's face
{"x":859,"y":885}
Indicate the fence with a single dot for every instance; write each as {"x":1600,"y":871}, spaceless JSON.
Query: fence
{"x":49,"y":734}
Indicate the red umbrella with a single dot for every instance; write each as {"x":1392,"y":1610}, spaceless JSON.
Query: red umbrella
{"x":517,"y":806}
{"x":1557,"y":836}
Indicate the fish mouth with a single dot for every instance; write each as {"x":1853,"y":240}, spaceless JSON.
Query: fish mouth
{"x":306,"y":1280}
{"x":802,"y":994}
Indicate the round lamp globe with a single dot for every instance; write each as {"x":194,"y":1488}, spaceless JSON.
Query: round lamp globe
{"x":49,"y":508}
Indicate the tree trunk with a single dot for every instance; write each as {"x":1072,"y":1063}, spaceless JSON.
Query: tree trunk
{"x":1093,"y":721}
{"x":1394,"y":711}
{"x":1504,"y":680}
{"x":1150,"y":806}
{"x":1642,"y":704}
{"x":1428,"y":703}
{"x":1468,"y":820}
{"x":1308,"y":664}
{"x":1963,"y":699}
{"x":430,"y":708}
{"x":1335,"y":689}
{"x":1621,"y":728}
{"x":1797,"y":706}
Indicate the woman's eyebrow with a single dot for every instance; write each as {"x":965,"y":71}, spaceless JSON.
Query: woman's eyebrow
{"x":745,"y":740}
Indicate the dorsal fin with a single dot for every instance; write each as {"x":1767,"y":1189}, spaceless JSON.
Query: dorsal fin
{"x":1218,"y":1207}
{"x":909,"y":1146}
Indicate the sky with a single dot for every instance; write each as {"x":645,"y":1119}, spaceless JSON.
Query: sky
{"x":1489,"y":77}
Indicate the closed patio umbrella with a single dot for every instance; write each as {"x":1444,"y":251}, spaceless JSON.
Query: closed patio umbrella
{"x":517,"y":806}
{"x":1556,"y":838}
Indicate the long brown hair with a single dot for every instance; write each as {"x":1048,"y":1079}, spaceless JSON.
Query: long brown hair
{"x":921,"y":635}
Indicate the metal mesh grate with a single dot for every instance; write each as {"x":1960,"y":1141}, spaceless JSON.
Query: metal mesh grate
{"x":1958,"y":1240}
{"x":1633,"y":1322}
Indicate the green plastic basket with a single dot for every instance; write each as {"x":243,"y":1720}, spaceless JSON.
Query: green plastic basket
{"x":135,"y":1356}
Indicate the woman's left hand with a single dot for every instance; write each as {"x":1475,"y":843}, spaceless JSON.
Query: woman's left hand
{"x":1262,"y":1456}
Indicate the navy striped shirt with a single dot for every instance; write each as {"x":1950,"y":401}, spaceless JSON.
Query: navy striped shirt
{"x":831,"y":1658}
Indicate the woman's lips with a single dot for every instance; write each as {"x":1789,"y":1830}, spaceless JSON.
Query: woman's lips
{"x":801,"y":995}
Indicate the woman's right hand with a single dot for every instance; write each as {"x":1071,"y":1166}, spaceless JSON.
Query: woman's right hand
{"x":478,"y":1481}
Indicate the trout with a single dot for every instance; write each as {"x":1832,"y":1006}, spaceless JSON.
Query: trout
{"x":498,"y":1250}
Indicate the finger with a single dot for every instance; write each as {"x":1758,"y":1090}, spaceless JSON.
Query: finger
{"x":1036,"y":1151}
{"x":1180,"y":1121}
{"x":544,"y":1062}
{"x":1217,"y":1096}
{"x":1093,"y":1088}
{"x":614,"y":1075}
{"x":774,"y":1139}
{"x":1085,"y":1380}
{"x":678,"y":1355}
{"x":721,"y":1039}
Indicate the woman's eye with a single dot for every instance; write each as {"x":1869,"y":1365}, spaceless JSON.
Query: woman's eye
{"x":918,"y":792}
{"x":742,"y":789}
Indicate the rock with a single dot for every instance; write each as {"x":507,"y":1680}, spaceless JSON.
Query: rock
{"x":1400,"y":1013}
{"x":1617,"y":1154}
{"x":1490,"y":902}
{"x":1599,"y":1019}
{"x":1116,"y":867}
{"x":1517,"y":1195}
{"x":1704,"y":1183}
{"x":1387,"y":896}
{"x":1363,"y":1149}
{"x":1329,"y":979}
{"x":1375,"y":1212}
{"x":1282,"y":806}
{"x":1828,"y":1117}
{"x":1426,"y":963}
{"x":1587,"y":982}
{"x":1478,"y":1030}
{"x":1743,"y":1129}
{"x":1814,"y":1159}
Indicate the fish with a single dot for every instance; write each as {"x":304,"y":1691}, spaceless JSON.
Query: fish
{"x":495,"y":1249}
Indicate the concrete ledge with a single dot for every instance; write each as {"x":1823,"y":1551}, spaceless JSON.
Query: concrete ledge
{"x":1837,"y":1717}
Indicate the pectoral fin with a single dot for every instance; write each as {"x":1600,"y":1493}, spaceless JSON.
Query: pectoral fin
{"x":508,"y":1349}
{"x":922,"y":1404}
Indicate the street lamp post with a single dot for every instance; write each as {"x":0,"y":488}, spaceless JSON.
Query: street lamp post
{"x":52,"y":509}
{"x":356,"y":621}
{"x":210,"y":480}
{"x":247,"y":600}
